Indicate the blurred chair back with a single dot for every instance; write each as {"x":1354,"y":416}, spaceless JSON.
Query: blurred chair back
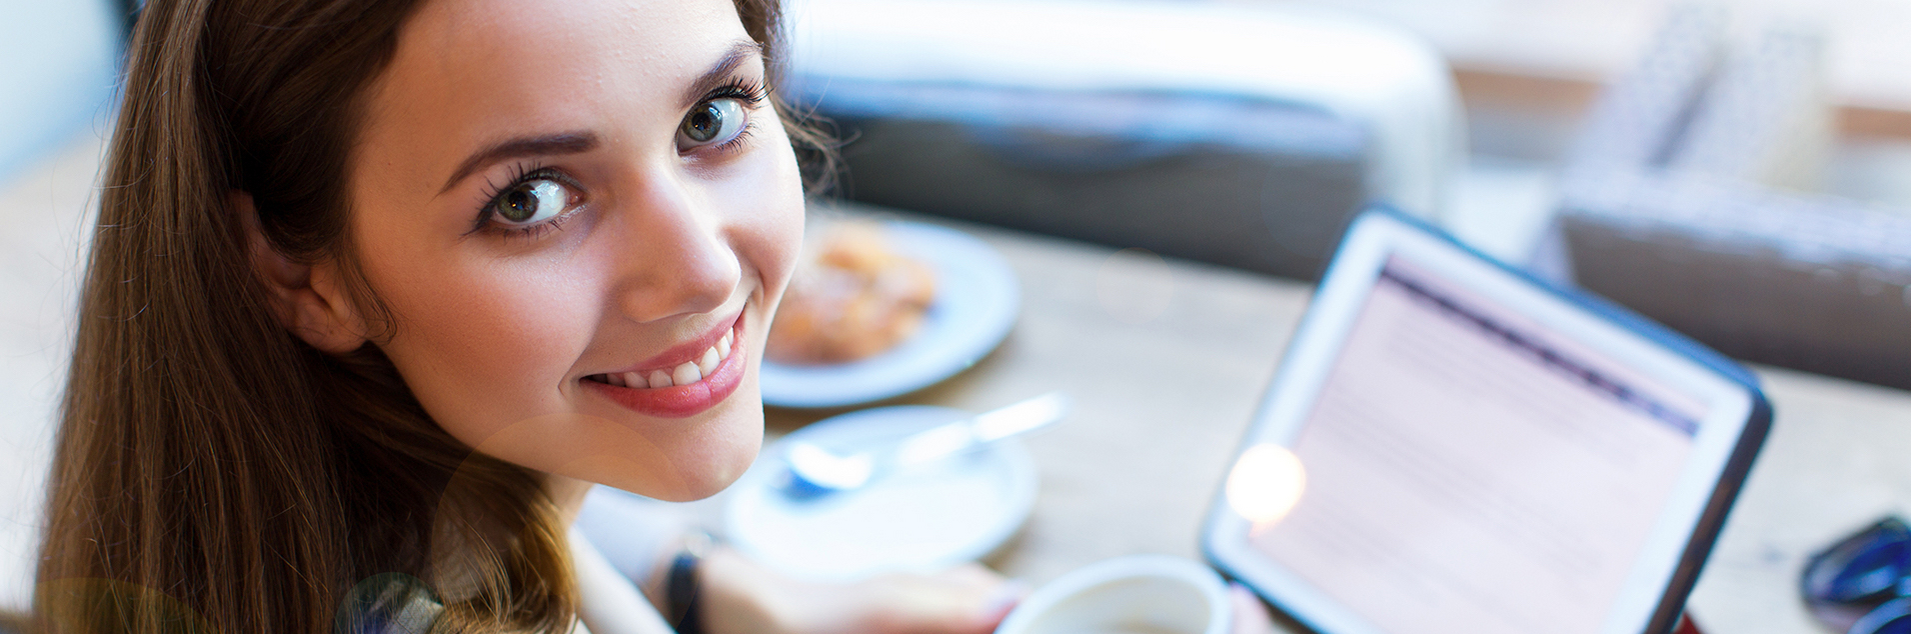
{"x":1246,"y":137}
{"x":1687,"y":199}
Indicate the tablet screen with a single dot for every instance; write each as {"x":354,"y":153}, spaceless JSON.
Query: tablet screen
{"x":1470,"y":470}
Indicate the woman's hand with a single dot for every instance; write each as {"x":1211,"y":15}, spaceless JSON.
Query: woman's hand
{"x":742,"y":597}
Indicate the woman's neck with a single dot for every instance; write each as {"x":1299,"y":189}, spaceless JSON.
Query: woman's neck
{"x":568,"y":494}
{"x":455,"y":573}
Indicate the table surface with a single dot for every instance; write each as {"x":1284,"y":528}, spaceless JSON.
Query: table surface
{"x":1166,"y":360}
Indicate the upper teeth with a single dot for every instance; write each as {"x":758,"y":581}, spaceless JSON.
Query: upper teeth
{"x":683,"y":374}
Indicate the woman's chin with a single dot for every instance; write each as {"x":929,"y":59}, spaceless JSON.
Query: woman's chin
{"x":710,"y":480}
{"x":711,"y":463}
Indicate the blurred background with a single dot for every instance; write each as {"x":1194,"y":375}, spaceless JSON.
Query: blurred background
{"x":1738,"y":170}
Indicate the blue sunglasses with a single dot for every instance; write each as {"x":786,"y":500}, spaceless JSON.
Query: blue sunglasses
{"x":1863,"y":583}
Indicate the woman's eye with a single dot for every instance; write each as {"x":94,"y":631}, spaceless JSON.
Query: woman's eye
{"x":531,"y":202}
{"x":713,"y":122}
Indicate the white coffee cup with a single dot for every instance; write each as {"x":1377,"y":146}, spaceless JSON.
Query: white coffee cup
{"x":1137,"y":594}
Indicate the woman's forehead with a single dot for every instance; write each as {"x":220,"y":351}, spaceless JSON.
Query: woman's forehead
{"x":466,"y":72}
{"x":627,"y":28}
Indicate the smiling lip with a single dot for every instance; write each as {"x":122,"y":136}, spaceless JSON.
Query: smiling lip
{"x":681,"y":401}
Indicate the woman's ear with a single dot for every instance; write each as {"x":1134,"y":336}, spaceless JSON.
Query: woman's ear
{"x":308,"y":299}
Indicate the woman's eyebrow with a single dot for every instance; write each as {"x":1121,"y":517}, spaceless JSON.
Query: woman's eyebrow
{"x":719,"y":73}
{"x":563,"y":143}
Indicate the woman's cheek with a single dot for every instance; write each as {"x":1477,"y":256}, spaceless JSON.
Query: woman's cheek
{"x":776,"y":221}
{"x":490,"y":347}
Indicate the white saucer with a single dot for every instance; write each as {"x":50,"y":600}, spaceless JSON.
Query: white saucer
{"x":926,"y":519}
{"x":977,"y":301}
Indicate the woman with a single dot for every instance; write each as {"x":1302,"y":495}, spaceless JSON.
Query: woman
{"x":380,"y":287}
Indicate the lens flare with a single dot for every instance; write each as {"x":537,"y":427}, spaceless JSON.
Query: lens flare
{"x":1266,"y":483}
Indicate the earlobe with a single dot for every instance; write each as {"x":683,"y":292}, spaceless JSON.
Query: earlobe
{"x":306,"y":299}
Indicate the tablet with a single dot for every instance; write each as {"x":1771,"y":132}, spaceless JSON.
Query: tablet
{"x":1452,"y":446}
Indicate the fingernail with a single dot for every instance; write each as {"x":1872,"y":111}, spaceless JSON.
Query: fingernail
{"x":1007,"y":595}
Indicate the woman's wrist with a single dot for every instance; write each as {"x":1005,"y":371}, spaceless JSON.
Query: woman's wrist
{"x":738,"y":596}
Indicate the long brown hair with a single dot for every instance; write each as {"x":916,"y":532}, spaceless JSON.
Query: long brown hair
{"x":213,"y":472}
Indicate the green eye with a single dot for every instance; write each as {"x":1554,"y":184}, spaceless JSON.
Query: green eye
{"x":713,"y":122}
{"x":703,"y":125}
{"x":530,"y":202}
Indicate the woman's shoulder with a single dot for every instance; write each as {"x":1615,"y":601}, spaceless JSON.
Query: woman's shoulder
{"x":388,"y":603}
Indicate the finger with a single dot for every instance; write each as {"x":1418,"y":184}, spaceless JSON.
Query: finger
{"x":973,"y":574}
{"x":1250,"y":615}
{"x":1007,"y":595}
{"x":950,"y":602}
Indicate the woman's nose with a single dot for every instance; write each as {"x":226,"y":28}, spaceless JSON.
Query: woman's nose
{"x":673,"y":252}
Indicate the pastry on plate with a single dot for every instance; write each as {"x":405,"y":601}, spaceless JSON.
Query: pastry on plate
{"x":852,"y":298}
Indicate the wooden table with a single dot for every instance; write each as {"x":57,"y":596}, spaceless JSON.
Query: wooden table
{"x":1167,"y":359}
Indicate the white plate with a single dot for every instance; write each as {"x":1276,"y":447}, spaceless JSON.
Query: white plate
{"x":925,"y":519}
{"x":977,"y":300}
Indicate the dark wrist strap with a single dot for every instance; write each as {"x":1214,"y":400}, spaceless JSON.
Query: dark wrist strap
{"x":682,"y":586}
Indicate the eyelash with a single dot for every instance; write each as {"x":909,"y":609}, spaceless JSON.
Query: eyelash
{"x":522,"y":174}
{"x":749,"y":92}
{"x":752,"y":94}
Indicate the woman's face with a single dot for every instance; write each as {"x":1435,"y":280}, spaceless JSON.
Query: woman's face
{"x":582,"y":215}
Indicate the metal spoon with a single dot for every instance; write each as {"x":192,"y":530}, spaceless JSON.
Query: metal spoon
{"x":814,"y":471}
